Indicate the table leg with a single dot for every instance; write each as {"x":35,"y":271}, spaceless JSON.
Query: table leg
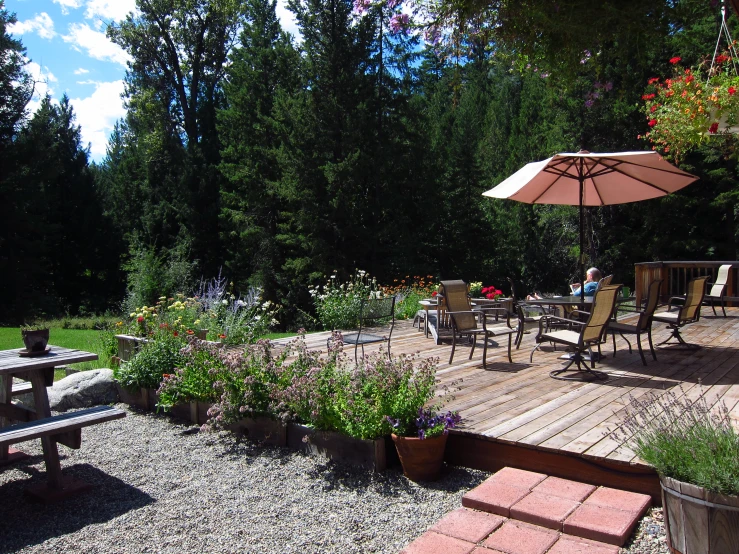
{"x":51,"y":453}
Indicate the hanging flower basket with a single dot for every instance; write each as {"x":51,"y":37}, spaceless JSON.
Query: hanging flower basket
{"x":693,"y":105}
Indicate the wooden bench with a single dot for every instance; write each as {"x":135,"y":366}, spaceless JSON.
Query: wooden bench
{"x":22,"y":388}
{"x":65,"y":428}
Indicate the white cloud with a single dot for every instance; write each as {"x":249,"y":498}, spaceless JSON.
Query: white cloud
{"x":81,"y":71}
{"x":89,"y":82}
{"x":66,"y":4}
{"x":287,"y":18}
{"x":97,"y":114}
{"x":41,"y":24}
{"x":97,"y":45}
{"x":115,"y":10}
{"x":41,"y":77}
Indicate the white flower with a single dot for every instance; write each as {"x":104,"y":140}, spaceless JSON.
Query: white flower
{"x":333,"y":276}
{"x":224,"y":302}
{"x":267,"y":304}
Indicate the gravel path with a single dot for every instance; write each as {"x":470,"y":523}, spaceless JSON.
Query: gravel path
{"x":160,"y":487}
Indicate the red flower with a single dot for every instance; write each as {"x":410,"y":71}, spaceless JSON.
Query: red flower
{"x":713,"y":128}
{"x":647,"y":97}
{"x":675,"y":60}
{"x":731,"y":91}
{"x":221,"y":336}
{"x":140,"y":319}
{"x":190,"y":332}
{"x":721,"y":58}
{"x":434,"y":293}
{"x":652,"y":122}
{"x":653,"y":80}
{"x":175,"y":334}
{"x":653,"y":108}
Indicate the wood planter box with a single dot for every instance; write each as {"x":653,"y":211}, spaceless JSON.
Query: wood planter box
{"x":335,"y":446}
{"x":146,"y":399}
{"x":128,"y":345}
{"x":261,"y":429}
{"x":698,"y":521}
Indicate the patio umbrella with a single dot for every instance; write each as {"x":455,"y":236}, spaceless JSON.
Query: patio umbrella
{"x":590,"y":179}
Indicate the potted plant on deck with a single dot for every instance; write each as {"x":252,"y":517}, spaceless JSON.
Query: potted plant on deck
{"x":695,"y":450}
{"x":421,"y":442}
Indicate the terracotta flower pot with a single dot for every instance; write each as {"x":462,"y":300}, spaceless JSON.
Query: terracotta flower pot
{"x":421,"y":459}
{"x":35,"y":340}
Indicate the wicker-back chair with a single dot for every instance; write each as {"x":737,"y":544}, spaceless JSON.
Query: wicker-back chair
{"x":466,"y":322}
{"x":643,"y":324}
{"x":590,"y":334}
{"x":689,"y":312}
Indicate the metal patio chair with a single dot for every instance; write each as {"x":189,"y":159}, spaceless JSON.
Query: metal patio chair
{"x":689,"y":312}
{"x":590,"y":333}
{"x":643,"y":324}
{"x":375,"y":316}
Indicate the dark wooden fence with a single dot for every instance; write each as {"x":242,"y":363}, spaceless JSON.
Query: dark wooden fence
{"x":675,"y":277}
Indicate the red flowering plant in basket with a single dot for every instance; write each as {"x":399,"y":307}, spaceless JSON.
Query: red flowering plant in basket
{"x":692,"y":105}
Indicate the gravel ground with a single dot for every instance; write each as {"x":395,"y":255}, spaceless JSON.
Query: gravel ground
{"x":162,"y":487}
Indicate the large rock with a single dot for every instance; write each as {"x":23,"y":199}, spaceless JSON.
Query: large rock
{"x":83,"y":389}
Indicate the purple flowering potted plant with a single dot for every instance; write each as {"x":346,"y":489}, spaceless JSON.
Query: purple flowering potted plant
{"x":421,"y":441}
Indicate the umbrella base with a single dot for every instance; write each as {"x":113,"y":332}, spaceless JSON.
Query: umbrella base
{"x":582,"y":373}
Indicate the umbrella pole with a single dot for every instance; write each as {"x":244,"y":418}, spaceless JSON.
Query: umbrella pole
{"x":582,"y":237}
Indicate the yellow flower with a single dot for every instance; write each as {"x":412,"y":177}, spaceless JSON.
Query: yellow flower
{"x":132,"y":314}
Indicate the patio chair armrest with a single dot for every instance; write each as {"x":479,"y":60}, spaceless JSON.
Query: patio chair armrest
{"x":547,"y":320}
{"x":677,"y":300}
{"x":503,"y":313}
{"x":532,"y":307}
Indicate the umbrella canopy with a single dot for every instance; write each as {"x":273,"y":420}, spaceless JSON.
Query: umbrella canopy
{"x":605,"y":179}
{"x":591,"y":179}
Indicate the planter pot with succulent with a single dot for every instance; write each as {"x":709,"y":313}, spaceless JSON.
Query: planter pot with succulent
{"x":695,"y":450}
{"x":35,"y":338}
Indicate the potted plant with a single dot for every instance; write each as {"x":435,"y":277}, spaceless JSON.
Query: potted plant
{"x":421,"y":441}
{"x":35,"y":337}
{"x":692,"y":105}
{"x":695,"y":450}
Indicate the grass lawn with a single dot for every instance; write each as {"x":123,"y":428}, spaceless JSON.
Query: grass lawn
{"x":10,"y":337}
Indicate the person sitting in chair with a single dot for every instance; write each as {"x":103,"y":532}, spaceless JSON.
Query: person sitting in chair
{"x":591,"y":283}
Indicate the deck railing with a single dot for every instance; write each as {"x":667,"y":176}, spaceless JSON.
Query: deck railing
{"x":675,"y":277}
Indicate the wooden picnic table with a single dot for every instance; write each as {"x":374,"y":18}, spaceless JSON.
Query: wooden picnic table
{"x":18,"y":423}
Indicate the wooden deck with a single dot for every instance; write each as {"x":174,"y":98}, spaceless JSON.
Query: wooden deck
{"x":515,"y":414}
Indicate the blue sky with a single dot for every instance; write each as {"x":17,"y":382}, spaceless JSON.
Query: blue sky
{"x":69,"y":53}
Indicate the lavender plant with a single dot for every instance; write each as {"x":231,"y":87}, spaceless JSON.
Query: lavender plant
{"x":684,"y":439}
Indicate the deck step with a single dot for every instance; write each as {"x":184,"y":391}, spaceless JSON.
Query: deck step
{"x":548,"y":513}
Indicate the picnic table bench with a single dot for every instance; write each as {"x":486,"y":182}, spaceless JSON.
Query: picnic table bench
{"x":19,"y":423}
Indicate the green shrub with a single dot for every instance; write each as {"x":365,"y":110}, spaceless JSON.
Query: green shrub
{"x":327,"y":392}
{"x":156,"y":359}
{"x":685,"y":440}
{"x":193,"y":379}
{"x":338,"y":304}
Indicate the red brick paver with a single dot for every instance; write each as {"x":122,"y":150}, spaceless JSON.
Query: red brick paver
{"x":483,"y":550}
{"x":493,"y":497}
{"x":564,"y":488}
{"x":601,"y":523}
{"x":517,"y":478}
{"x":436,"y":543}
{"x":620,"y":500}
{"x":468,"y":525}
{"x":544,"y":509}
{"x":575,"y":545}
{"x":521,"y":538}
